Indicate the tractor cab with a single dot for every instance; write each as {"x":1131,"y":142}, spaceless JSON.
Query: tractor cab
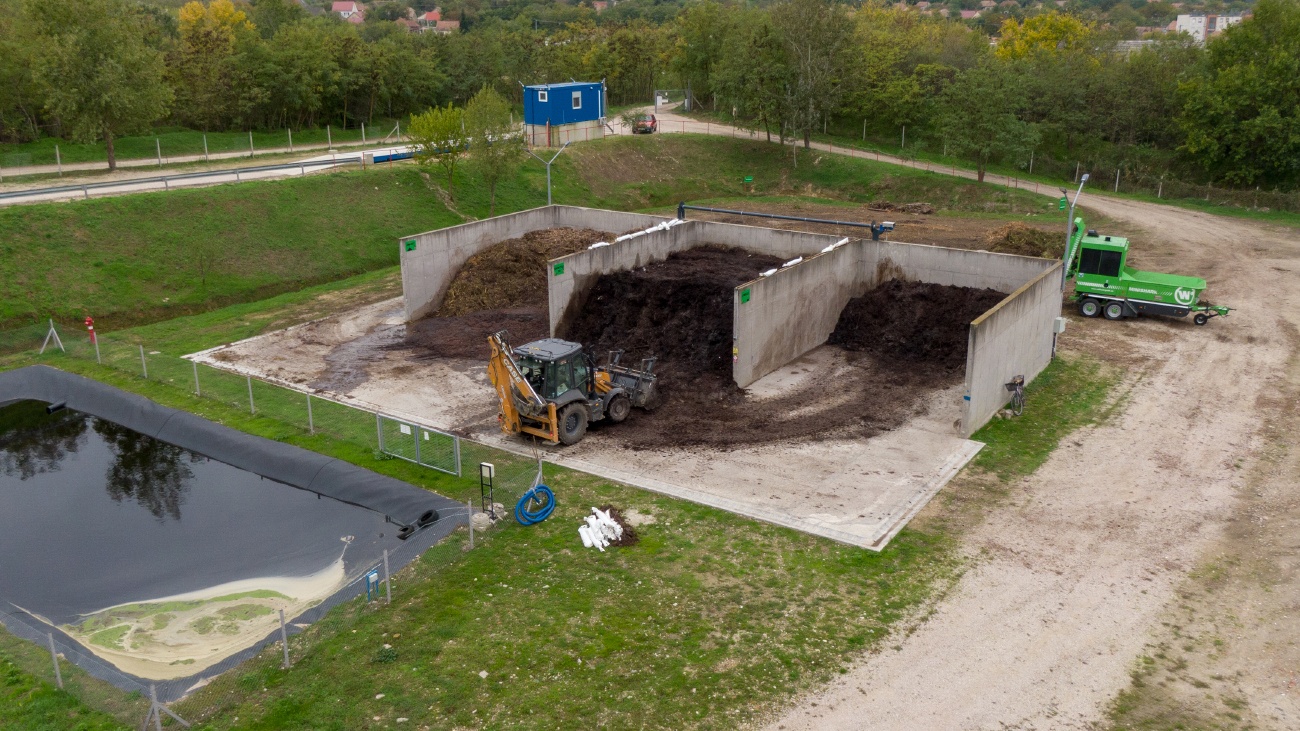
{"x":558,"y":370}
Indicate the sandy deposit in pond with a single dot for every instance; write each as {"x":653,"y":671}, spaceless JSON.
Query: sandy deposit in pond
{"x":175,"y":636}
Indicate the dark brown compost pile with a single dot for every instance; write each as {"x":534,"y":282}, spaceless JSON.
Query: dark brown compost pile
{"x":913,"y":323}
{"x":502,"y":287}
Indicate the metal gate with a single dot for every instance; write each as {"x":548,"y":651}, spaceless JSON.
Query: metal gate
{"x":418,"y":444}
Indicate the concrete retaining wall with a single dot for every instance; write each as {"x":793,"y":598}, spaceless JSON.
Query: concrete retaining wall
{"x":882,"y":260}
{"x":1014,"y":338}
{"x":429,"y":267}
{"x":781,"y":317}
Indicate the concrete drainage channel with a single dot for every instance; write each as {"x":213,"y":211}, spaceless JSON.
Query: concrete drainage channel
{"x":215,"y":529}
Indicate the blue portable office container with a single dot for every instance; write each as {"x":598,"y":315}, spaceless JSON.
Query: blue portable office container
{"x":559,"y":113}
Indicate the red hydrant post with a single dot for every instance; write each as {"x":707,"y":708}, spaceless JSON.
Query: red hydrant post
{"x":90,"y":327}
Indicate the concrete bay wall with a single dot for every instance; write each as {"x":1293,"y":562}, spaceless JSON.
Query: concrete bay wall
{"x":1014,"y":338}
{"x":781,"y":317}
{"x":428,"y":268}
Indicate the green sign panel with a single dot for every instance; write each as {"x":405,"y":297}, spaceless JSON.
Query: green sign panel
{"x":749,"y":178}
{"x":1060,"y":205}
{"x":559,"y":268}
{"x":410,"y":245}
{"x":744,"y":295}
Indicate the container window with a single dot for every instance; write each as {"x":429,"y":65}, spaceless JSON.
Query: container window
{"x":541,"y":96}
{"x":577,"y":100}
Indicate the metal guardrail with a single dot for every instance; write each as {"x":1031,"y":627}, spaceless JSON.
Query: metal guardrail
{"x":682,"y":208}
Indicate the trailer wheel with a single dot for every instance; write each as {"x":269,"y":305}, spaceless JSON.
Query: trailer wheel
{"x":573,"y":423}
{"x":1089,"y":307}
{"x":1113,"y":311}
{"x":1201,"y":318}
{"x":619,"y":407}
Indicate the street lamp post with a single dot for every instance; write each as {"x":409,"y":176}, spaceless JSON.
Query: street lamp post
{"x":547,"y":163}
{"x":1068,"y":256}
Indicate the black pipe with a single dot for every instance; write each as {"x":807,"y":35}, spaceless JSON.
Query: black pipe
{"x":682,"y":208}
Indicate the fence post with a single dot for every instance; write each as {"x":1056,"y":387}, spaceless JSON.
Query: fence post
{"x":250,"y":143}
{"x":97,"y":358}
{"x":284,"y":640}
{"x":379,"y":430}
{"x":252,"y":409}
{"x":157,"y":144}
{"x":144,"y":365}
{"x":1076,"y":170}
{"x":329,"y":137}
{"x":388,"y":586}
{"x":290,"y":131}
{"x":1160,"y":189}
{"x":58,"y":159}
{"x":455,"y":448}
{"x":1117,"y":179}
{"x":197,"y":391}
{"x":54,"y":655}
{"x":415,"y":432}
{"x":311,"y":424}
{"x":205,"y":148}
{"x":363,"y":132}
{"x":469,"y":508}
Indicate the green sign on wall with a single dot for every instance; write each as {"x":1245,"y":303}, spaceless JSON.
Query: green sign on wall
{"x":1060,"y":205}
{"x":744,"y":295}
{"x":410,"y":245}
{"x":559,"y":268}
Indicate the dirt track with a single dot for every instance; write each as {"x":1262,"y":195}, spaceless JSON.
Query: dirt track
{"x":1074,"y":571}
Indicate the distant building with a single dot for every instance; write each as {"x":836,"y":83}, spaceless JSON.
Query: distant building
{"x":970,"y":14}
{"x":1127,"y":47}
{"x":346,"y":10}
{"x":447,"y":27}
{"x":986,"y":4}
{"x":1201,"y":26}
{"x":430,"y":19}
{"x":923,"y":5}
{"x":558,"y":113}
{"x":411,"y":26}
{"x":600,"y":5}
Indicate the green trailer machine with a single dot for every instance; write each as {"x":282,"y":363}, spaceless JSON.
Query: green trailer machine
{"x":1105,"y":285}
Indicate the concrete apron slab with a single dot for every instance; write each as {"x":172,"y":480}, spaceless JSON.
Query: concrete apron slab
{"x":856,"y":491}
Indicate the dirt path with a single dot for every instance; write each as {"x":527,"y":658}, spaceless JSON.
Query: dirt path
{"x":1073,"y":573}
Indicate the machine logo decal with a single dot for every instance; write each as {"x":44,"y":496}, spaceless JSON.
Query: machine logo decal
{"x":1184,"y":296}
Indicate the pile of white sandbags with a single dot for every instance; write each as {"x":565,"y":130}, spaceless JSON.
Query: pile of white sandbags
{"x":600,"y":530}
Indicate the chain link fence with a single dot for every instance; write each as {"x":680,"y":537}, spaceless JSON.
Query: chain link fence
{"x":456,"y":459}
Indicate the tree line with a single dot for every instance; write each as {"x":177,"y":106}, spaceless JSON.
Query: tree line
{"x":1050,"y":83}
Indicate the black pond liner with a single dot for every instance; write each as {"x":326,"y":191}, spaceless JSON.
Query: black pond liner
{"x":400,"y":503}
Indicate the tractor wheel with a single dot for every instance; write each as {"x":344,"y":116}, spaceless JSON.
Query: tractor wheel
{"x":619,"y":407}
{"x":1201,"y":318}
{"x":1113,"y":311}
{"x":573,"y":423}
{"x":1089,"y":307}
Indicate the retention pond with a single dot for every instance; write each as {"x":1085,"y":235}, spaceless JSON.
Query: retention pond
{"x":163,"y":560}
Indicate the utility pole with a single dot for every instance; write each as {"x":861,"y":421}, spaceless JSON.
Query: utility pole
{"x":547,"y":163}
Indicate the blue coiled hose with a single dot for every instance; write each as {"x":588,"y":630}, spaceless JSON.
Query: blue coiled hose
{"x":540,"y":494}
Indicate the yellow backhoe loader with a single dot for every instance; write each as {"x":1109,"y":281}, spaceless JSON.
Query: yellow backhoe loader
{"x":553,"y":389}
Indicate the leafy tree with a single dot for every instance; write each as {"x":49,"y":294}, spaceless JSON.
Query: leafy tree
{"x":268,"y":16}
{"x":98,"y":73}
{"x":701,"y":31}
{"x":1242,"y":113}
{"x":204,"y":62}
{"x":1042,"y":34}
{"x":438,"y":136}
{"x":20,"y":96}
{"x":754,"y":72}
{"x":817,"y":37}
{"x":496,"y":145}
{"x":980,"y":116}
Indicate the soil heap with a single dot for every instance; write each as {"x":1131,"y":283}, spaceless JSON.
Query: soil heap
{"x":502,"y":287}
{"x":1018,"y":238}
{"x":916,"y":323}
